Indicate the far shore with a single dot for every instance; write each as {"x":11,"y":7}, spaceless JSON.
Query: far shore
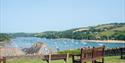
{"x":105,"y":41}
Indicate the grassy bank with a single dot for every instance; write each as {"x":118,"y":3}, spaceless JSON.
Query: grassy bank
{"x":77,"y":51}
{"x":110,"y":59}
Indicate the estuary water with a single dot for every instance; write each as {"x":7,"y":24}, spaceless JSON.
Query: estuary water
{"x":59,"y":44}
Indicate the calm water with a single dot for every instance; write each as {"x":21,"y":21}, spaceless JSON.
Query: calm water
{"x":60,"y":44}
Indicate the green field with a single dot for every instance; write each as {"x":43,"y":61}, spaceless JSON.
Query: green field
{"x":110,"y":59}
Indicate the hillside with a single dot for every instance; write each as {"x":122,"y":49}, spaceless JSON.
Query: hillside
{"x":111,"y":31}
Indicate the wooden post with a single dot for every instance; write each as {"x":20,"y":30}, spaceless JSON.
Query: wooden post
{"x":67,"y":57}
{"x":73,"y":59}
{"x":102,"y":60}
{"x":49,"y":58}
{"x":4,"y":59}
{"x":0,"y":60}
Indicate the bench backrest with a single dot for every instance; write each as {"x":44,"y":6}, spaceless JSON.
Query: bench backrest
{"x":56,"y":57}
{"x":92,"y":53}
{"x":86,"y":54}
{"x":2,"y":59}
{"x":98,"y":52}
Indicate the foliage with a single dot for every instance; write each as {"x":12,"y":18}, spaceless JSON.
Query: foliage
{"x":101,"y":32}
{"x":4,"y":37}
{"x":13,"y":35}
{"x":77,"y":51}
{"x":119,"y":35}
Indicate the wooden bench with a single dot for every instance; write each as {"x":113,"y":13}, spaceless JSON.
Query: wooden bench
{"x":51,"y":57}
{"x":90,"y":54}
{"x":98,"y":53}
{"x":122,"y":50}
{"x":86,"y":55}
{"x":2,"y":59}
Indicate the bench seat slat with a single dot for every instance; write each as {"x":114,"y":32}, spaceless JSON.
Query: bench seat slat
{"x":48,"y":58}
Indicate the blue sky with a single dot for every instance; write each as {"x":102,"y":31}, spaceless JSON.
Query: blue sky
{"x":58,"y":15}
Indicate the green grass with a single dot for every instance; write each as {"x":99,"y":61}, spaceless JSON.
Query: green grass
{"x":107,"y":33}
{"x":104,"y":26}
{"x":120,"y":28}
{"x":77,"y":51}
{"x":110,"y":59}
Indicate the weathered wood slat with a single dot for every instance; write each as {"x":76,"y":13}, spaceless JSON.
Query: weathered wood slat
{"x":51,"y":57}
{"x":90,"y":54}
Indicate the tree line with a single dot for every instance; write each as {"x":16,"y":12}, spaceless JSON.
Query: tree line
{"x":100,"y":32}
{"x":4,"y":37}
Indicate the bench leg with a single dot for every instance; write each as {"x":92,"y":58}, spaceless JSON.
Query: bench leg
{"x":102,"y":60}
{"x":48,"y":61}
{"x":121,"y":57}
{"x":73,"y":59}
{"x":94,"y":61}
{"x":4,"y":59}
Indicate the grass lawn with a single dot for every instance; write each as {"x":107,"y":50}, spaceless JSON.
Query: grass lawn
{"x":110,"y":59}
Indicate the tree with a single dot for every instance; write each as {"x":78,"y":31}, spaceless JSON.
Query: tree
{"x":4,"y":37}
{"x":119,"y":36}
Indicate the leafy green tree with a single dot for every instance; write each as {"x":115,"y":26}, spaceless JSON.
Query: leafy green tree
{"x":4,"y":37}
{"x":119,"y":36}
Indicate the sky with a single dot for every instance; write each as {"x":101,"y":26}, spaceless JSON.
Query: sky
{"x":57,"y":15}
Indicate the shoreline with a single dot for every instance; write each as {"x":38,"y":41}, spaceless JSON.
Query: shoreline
{"x":104,"y":41}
